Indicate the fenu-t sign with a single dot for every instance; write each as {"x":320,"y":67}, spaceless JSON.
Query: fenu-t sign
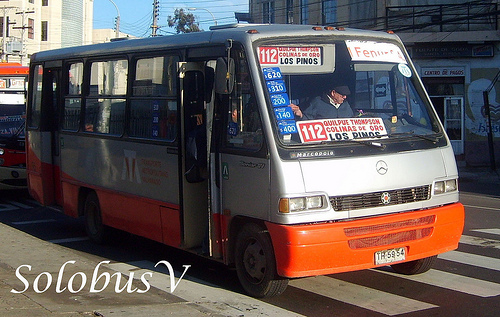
{"x":369,"y":51}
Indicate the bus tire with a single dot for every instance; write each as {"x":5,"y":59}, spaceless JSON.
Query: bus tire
{"x":96,"y":230}
{"x":256,"y":264}
{"x":415,"y":267}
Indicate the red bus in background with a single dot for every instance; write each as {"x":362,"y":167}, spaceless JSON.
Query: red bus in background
{"x":13,"y":81}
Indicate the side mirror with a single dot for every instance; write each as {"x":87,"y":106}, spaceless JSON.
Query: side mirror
{"x":224,"y":76}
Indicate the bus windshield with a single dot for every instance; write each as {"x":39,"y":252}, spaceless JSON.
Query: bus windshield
{"x":12,"y":121}
{"x":347,"y":91}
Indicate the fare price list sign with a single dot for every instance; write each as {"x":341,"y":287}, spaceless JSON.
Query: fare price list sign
{"x":155,"y":130}
{"x":280,"y":100}
{"x":340,"y":129}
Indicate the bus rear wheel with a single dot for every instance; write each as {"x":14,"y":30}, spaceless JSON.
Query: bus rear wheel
{"x":94,"y":227}
{"x":256,"y":264}
{"x":415,"y":267}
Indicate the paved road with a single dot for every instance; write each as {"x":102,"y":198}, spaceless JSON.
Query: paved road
{"x":463,"y":282}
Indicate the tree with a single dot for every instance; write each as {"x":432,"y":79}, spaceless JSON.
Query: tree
{"x":183,"y":22}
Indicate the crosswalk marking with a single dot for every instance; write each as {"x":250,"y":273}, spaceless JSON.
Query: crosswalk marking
{"x":361,"y":296}
{"x":8,"y":207}
{"x":68,"y":240}
{"x":18,"y":204}
{"x":454,"y":282}
{"x":480,"y":242}
{"x":32,"y":222}
{"x":483,"y":207}
{"x":472,"y":259}
{"x":489,"y":231}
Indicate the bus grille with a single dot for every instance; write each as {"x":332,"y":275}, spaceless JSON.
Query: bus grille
{"x":384,"y":227}
{"x":384,"y":198}
{"x":390,"y":238}
{"x":20,"y":182}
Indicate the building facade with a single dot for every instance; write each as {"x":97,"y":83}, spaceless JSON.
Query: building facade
{"x":36,"y":25}
{"x":455,"y":45}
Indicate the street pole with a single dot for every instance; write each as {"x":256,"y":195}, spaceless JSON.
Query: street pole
{"x":23,"y":27}
{"x":487,"y":111}
{"x":117,"y":29}
{"x":156,"y":13}
{"x":5,"y":28}
{"x":4,"y":35}
{"x":213,"y":17}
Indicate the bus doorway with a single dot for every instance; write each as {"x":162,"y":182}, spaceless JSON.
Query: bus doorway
{"x":44,"y":175}
{"x":193,"y":160}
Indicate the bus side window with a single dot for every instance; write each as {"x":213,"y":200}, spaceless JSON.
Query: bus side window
{"x":244,"y":127}
{"x":153,"y":108}
{"x":34,"y":112}
{"x":73,"y":98}
{"x":105,"y":107}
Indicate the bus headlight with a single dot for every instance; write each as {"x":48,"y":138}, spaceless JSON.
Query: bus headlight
{"x":446,"y":186}
{"x":288,"y":205}
{"x":2,"y":151}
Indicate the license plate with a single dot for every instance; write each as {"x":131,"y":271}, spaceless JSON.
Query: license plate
{"x":390,"y":256}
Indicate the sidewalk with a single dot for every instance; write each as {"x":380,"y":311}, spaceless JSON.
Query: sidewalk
{"x":20,"y":249}
{"x":480,"y":180}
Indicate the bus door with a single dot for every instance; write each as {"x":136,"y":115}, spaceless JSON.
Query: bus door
{"x":53,"y":77}
{"x":45,"y":175}
{"x":193,"y":162}
{"x":242,"y":164}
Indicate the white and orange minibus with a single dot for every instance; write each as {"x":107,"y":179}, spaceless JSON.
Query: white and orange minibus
{"x":13,"y":82}
{"x":194,"y":141}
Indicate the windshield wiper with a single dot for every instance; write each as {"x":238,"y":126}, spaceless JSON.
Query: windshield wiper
{"x":14,"y":136}
{"x":430,"y":138}
{"x":358,"y":141}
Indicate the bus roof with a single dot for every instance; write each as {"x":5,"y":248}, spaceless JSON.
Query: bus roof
{"x":217,"y":34}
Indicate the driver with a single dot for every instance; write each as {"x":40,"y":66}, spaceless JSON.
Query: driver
{"x":329,"y":105}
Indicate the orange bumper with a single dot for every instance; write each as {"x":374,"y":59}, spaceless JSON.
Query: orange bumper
{"x":326,"y":248}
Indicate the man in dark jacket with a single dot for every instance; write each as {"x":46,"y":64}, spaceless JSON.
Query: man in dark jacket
{"x":327,"y":106}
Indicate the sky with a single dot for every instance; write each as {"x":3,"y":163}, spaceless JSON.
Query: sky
{"x":136,"y":16}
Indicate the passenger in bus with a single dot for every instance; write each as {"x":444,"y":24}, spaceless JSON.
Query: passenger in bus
{"x":329,"y":105}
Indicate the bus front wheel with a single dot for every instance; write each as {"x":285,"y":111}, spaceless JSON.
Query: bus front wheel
{"x":255,"y":263}
{"x":94,"y":227}
{"x":415,"y":267}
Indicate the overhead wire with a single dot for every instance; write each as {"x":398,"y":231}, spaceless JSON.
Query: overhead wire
{"x":143,"y":25}
{"x":281,"y":12}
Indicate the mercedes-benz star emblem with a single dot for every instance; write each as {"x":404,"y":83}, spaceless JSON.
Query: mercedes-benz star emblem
{"x":382,"y":167}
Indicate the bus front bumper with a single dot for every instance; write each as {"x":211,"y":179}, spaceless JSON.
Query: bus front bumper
{"x":326,"y":248}
{"x":12,"y":178}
